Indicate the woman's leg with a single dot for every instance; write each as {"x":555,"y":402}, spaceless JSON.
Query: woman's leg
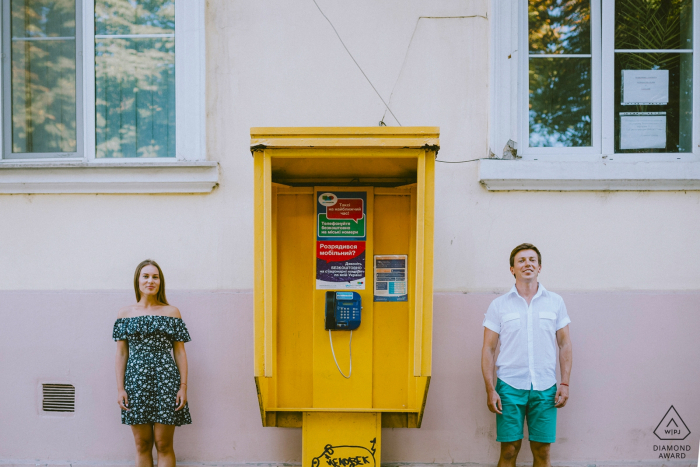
{"x":143,"y":437}
{"x":164,"y":444}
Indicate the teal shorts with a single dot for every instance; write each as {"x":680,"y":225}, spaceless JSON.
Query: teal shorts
{"x":536,"y":406}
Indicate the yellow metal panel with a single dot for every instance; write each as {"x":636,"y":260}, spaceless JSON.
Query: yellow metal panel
{"x":394,"y":341}
{"x":423,"y":385}
{"x":428,"y":223}
{"x":259,"y":267}
{"x":295,"y":288}
{"x":420,"y":251}
{"x":372,"y":154}
{"x":392,"y":236}
{"x":267,"y":254}
{"x":342,"y":409}
{"x":272,"y":385}
{"x":381,"y":170}
{"x":412,"y":300}
{"x":291,"y":190}
{"x":330,"y":388}
{"x":346,"y":137}
{"x":259,"y":383}
{"x":341,"y":439}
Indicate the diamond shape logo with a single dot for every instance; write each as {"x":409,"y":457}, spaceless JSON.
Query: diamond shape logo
{"x":671,"y":427}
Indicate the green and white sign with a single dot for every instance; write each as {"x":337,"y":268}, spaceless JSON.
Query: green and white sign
{"x":336,"y":228}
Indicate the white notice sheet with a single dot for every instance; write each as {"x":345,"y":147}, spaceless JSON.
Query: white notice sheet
{"x":642,"y":130}
{"x":648,"y":87}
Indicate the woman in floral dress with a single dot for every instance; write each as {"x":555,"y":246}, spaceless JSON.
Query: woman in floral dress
{"x":151,"y":384}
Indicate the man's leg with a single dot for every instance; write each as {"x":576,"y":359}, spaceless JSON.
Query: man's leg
{"x":509,"y":453}
{"x":509,"y":424}
{"x":540,"y":454}
{"x":542,"y":424}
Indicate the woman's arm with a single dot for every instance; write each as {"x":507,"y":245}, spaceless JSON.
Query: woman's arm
{"x":120,"y":367}
{"x":181,"y":362}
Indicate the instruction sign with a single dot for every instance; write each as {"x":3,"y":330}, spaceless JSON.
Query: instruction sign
{"x":642,"y":130}
{"x":390,"y":278}
{"x":644,"y":87}
{"x":340,"y":240}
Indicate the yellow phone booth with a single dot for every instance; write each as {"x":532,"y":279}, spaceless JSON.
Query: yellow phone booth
{"x":343,"y":284}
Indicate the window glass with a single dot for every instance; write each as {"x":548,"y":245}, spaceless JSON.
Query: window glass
{"x":559,"y":26}
{"x":43,"y":76}
{"x":653,"y":88}
{"x":131,"y":17}
{"x":560,"y":102}
{"x":135,"y":78}
{"x":559,"y":98}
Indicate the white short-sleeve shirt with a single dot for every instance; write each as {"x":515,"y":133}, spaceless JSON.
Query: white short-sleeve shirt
{"x":528,"y":337}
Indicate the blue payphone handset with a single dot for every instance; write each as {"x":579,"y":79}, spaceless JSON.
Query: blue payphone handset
{"x":343,"y":313}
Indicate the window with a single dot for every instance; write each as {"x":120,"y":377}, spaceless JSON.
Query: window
{"x":102,"y":80}
{"x":592,"y":79}
{"x":594,"y":95}
{"x":645,"y":50}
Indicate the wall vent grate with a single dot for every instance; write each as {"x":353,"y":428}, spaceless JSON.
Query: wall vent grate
{"x":58,"y":398}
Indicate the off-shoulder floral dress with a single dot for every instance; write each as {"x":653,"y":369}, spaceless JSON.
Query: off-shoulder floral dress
{"x":152,"y":378}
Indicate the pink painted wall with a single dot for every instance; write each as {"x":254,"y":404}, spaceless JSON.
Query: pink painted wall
{"x":635,"y":354}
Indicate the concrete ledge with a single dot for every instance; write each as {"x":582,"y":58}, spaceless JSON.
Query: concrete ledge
{"x":521,"y":175}
{"x":111,"y":177}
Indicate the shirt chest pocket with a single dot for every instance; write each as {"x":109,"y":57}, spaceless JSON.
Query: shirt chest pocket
{"x":548,"y":321}
{"x":510,"y":322}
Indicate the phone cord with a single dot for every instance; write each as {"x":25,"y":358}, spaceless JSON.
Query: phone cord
{"x":336,"y":361}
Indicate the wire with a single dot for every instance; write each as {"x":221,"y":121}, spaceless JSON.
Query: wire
{"x":336,"y":361}
{"x":458,"y":162}
{"x":358,"y":65}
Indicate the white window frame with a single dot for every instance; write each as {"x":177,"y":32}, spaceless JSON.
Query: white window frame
{"x":594,"y":168}
{"x":187,"y":172}
{"x":523,"y":92}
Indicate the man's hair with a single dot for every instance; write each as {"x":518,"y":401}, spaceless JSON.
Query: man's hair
{"x":521,"y":247}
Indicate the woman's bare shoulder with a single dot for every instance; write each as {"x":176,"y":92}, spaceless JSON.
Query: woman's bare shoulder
{"x":125,"y":311}
{"x":172,"y":311}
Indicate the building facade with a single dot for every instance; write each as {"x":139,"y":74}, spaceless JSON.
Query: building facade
{"x":133,"y":142}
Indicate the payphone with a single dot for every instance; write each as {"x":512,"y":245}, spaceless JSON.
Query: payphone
{"x":343,"y":311}
{"x":343,"y":242}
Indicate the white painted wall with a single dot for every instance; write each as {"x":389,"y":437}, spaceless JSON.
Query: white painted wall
{"x":279,"y":63}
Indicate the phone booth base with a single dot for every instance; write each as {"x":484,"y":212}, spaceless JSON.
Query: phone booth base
{"x":341,"y":439}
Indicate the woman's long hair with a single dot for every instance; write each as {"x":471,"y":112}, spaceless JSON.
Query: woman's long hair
{"x":160,"y":296}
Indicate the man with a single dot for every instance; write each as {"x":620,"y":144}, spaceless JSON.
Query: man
{"x":530,"y":322}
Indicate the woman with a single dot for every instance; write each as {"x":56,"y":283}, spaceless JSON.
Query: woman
{"x":152,"y":388}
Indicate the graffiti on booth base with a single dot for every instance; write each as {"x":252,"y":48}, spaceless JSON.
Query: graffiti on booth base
{"x":346,"y":456}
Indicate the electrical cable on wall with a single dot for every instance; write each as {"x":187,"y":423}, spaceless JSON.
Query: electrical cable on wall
{"x":358,"y":65}
{"x":336,"y":361}
{"x":459,"y":162}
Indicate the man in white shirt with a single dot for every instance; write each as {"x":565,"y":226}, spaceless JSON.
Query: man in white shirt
{"x":531,"y":323}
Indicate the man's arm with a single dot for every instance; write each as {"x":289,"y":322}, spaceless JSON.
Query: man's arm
{"x":488,"y":364}
{"x":564,"y":342}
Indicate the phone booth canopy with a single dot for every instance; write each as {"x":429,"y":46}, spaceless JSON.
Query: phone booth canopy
{"x":343,"y":284}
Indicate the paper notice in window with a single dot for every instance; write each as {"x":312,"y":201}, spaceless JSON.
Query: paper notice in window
{"x":643,"y":130}
{"x":648,"y":87}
